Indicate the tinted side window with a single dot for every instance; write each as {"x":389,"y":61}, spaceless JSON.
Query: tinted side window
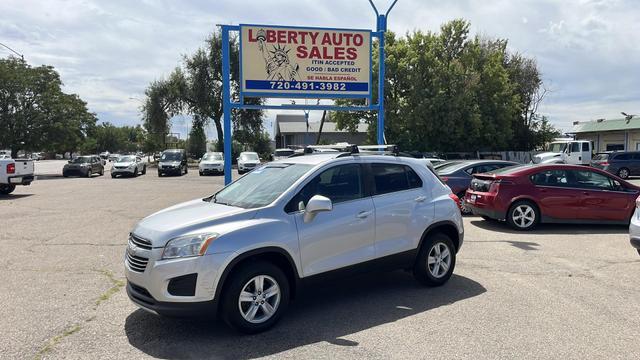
{"x":550,"y":178}
{"x":575,"y":147}
{"x":622,"y":157}
{"x":585,"y":146}
{"x":391,"y":178}
{"x":340,"y":183}
{"x":586,"y":179}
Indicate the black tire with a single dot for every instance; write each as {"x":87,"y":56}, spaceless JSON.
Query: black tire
{"x":135,"y":172}
{"x":159,"y":174}
{"x":186,"y":169}
{"x":88,"y":173}
{"x":144,"y":170}
{"x":433,"y":245}
{"x":624,"y":173}
{"x":64,"y":174}
{"x":230,"y":309}
{"x":6,"y":189}
{"x":113,"y":176}
{"x":201,"y":174}
{"x":522,"y":208}
{"x":101,"y":172}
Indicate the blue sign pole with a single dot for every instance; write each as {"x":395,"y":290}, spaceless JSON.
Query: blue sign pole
{"x":381,"y":28}
{"x":226,"y":104}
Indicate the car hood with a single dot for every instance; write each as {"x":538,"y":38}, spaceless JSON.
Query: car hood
{"x":123,"y":163}
{"x":545,"y":156}
{"x":191,"y":217}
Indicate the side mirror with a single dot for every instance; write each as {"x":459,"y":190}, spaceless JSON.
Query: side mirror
{"x":316,"y":204}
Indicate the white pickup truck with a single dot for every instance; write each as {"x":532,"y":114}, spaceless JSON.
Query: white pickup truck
{"x":576,"y":152}
{"x":14,"y":172}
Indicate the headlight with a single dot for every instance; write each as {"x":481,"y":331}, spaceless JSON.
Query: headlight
{"x":187,"y":246}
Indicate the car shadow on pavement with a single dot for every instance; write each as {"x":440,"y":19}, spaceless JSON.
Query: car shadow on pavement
{"x":324,"y":314}
{"x":558,"y":229}
{"x":14,"y":196}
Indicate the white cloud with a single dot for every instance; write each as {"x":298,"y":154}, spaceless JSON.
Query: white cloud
{"x":108,"y":51}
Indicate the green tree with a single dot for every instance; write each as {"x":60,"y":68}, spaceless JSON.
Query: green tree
{"x":34,"y":112}
{"x":197,"y":142}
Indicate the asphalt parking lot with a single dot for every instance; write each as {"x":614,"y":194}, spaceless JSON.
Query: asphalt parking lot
{"x":562,"y":291}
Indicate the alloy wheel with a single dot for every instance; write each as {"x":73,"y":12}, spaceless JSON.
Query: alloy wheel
{"x":439,"y":260}
{"x":259,"y":299}
{"x":623,"y":173}
{"x":523,"y":216}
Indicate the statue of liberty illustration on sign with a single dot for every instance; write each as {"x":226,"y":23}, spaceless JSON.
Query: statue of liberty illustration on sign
{"x":276,"y":61}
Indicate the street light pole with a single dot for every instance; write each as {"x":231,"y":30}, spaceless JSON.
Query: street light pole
{"x":15,"y":52}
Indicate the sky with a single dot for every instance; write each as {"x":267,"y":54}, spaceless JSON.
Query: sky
{"x":108,"y":51}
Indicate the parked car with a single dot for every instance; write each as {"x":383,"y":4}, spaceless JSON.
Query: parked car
{"x":624,"y":163}
{"x":114,"y":157}
{"x":634,"y":227}
{"x":84,"y":166}
{"x":435,"y":161}
{"x":37,"y":156}
{"x":458,"y":175}
{"x":280,"y":154}
{"x":242,"y":252}
{"x":211,"y":163}
{"x":529,"y":194}
{"x":247,"y":161}
{"x":13,"y":173}
{"x":173,"y":161}
{"x":104,"y":155}
{"x":130,"y":165}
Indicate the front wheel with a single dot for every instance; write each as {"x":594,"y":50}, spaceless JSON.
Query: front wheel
{"x":144,"y":170}
{"x":436,"y":260}
{"x":523,"y":215}
{"x":6,"y":189}
{"x":102,"y":172}
{"x":255,"y":297}
{"x":464,"y":209}
{"x":89,"y":173}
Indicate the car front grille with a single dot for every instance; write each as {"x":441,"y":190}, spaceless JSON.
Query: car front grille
{"x":140,"y":242}
{"x":120,"y":167}
{"x":137,"y":263}
{"x":249,"y":165}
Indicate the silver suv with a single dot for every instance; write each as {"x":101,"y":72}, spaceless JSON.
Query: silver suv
{"x":242,"y":253}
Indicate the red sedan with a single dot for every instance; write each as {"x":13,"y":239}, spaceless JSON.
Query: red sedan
{"x":529,"y":194}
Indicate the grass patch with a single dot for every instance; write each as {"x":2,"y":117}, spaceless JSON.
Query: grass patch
{"x":116,"y":286}
{"x":56,"y":339}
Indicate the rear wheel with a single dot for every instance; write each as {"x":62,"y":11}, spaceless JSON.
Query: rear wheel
{"x":523,"y":215}
{"x":255,"y":297}
{"x":436,"y":260}
{"x":624,"y":173}
{"x":464,"y":209}
{"x":6,"y":189}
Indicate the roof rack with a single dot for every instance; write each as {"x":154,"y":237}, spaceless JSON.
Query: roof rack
{"x":380,"y":149}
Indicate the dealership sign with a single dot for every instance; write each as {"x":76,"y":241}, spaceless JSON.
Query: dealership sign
{"x":305,"y":62}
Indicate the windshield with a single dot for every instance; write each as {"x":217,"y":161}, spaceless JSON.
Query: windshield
{"x":557,"y":147}
{"x":283,"y":152}
{"x":600,"y":157}
{"x":249,"y":156}
{"x":81,"y":160}
{"x":171,"y":156}
{"x":261,"y":186}
{"x":212,"y":156}
{"x":127,"y":159}
{"x":449,"y":168}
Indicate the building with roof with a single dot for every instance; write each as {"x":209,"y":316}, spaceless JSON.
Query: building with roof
{"x":291,"y":130}
{"x":610,"y":135}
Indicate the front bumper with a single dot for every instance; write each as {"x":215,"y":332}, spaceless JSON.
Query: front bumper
{"x":634,"y":230}
{"x":170,"y":170}
{"x":150,"y":285}
{"x":125,"y":171}
{"x":141,"y":297}
{"x":211,"y":170}
{"x":76,"y":171}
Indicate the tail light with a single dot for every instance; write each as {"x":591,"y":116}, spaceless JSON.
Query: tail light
{"x":456,"y":200}
{"x":604,"y":163}
{"x":495,"y":186}
{"x":444,"y":178}
{"x":11,"y":168}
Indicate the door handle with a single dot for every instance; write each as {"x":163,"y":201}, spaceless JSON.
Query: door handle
{"x":585,"y":193}
{"x":363,"y":214}
{"x":421,"y":198}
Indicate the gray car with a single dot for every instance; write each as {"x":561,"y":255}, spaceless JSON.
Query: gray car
{"x":128,"y":165}
{"x":243,"y":252}
{"x":624,"y":163}
{"x":84,"y":166}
